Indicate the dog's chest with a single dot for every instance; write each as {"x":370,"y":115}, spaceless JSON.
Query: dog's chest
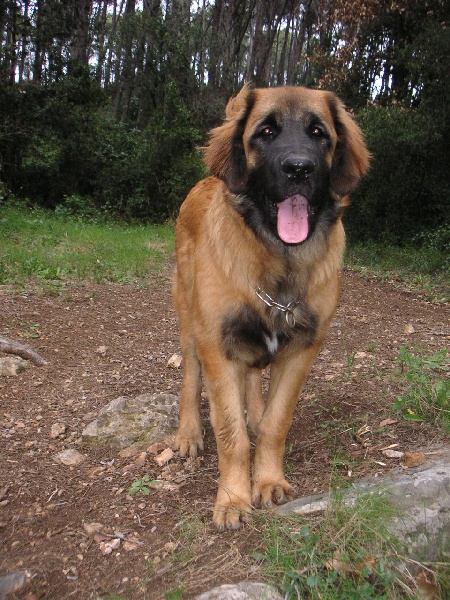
{"x":249,"y":338}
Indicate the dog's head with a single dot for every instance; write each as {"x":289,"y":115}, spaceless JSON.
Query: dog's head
{"x":290,"y":156}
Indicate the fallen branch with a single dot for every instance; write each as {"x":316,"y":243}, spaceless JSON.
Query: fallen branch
{"x":22,"y":350}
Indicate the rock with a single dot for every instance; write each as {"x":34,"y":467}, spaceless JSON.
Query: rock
{"x":247,"y":590}
{"x":13,"y":582}
{"x":421,"y":496}
{"x":109,"y":547}
{"x":70,"y":457}
{"x":57,"y":429}
{"x":11,"y":366}
{"x":175,"y":361}
{"x":146,"y":418}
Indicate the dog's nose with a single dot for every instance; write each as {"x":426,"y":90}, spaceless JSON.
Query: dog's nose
{"x":297,"y":167}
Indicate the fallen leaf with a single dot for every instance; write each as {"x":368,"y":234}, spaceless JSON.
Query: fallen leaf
{"x":413,"y":459}
{"x":140,"y":460}
{"x":360,"y":569}
{"x":427,"y":589}
{"x":386,"y":422}
{"x":164,"y":457}
{"x":92,"y":528}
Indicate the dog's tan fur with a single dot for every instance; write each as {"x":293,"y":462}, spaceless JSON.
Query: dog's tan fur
{"x":220,"y":262}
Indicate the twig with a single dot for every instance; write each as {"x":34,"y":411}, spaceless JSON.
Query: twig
{"x":22,"y":350}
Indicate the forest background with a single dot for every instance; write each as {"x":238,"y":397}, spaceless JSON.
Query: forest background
{"x":103,"y":103}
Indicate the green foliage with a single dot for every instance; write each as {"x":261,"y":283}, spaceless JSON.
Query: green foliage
{"x":425,"y":266}
{"x":407,"y":190}
{"x":427,"y":397}
{"x":70,"y":152}
{"x":34,"y":243}
{"x":347,"y":554}
{"x":146,"y":175}
{"x":142,"y":486}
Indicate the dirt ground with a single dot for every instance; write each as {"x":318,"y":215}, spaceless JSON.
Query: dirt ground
{"x":105,"y":341}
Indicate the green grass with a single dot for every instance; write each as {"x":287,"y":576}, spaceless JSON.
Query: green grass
{"x":427,"y":393}
{"x":36,"y":244}
{"x":426,"y":268}
{"x":347,"y":553}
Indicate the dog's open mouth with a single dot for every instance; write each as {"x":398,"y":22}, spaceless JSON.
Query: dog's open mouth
{"x":293,"y":219}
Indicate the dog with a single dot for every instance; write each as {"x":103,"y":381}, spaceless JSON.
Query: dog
{"x":259,"y":244}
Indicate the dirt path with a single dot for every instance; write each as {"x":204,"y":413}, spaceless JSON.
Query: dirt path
{"x":43,"y":505}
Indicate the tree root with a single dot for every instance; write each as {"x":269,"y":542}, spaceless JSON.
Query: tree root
{"x":22,"y":350}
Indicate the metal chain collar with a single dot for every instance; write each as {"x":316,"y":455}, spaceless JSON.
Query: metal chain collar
{"x":288,"y":310}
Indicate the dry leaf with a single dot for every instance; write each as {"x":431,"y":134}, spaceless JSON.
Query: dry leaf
{"x":349,"y":569}
{"x":413,"y":459}
{"x":164,"y":457}
{"x":388,"y":422}
{"x":92,"y":528}
{"x":427,"y":590}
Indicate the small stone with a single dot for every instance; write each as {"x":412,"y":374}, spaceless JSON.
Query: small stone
{"x":175,"y":361}
{"x":57,"y":429}
{"x":393,"y":453}
{"x":409,"y":329}
{"x":70,"y":457}
{"x":164,"y":457}
{"x":129,"y":546}
{"x":108,"y":547}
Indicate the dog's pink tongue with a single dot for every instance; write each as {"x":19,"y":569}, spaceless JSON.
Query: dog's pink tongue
{"x":292,"y":221}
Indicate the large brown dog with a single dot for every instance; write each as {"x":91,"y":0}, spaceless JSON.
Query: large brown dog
{"x":259,"y":245}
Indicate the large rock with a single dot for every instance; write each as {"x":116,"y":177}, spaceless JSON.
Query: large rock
{"x":147,"y":418}
{"x":421,"y":496}
{"x":11,"y":366}
{"x":247,"y":590}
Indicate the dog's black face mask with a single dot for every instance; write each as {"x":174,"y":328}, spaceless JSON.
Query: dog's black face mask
{"x":287,"y":193}
{"x":289,"y":156}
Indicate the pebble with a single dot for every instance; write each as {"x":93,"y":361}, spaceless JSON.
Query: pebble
{"x":70,"y":457}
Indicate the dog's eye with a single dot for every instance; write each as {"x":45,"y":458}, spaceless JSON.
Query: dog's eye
{"x":317,"y":131}
{"x":267,"y":131}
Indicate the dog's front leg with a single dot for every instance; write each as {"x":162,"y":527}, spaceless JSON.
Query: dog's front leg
{"x":225,"y":385}
{"x":288,"y":374}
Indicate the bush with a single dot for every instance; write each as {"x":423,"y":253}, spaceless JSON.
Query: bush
{"x":71,"y":153}
{"x":407,"y":189}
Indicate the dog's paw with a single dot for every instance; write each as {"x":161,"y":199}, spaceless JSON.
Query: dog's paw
{"x":231,"y":515}
{"x":188,"y":444}
{"x":266,"y":494}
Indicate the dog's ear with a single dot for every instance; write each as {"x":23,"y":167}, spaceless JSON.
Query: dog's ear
{"x":351,"y":157}
{"x":225,"y":155}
